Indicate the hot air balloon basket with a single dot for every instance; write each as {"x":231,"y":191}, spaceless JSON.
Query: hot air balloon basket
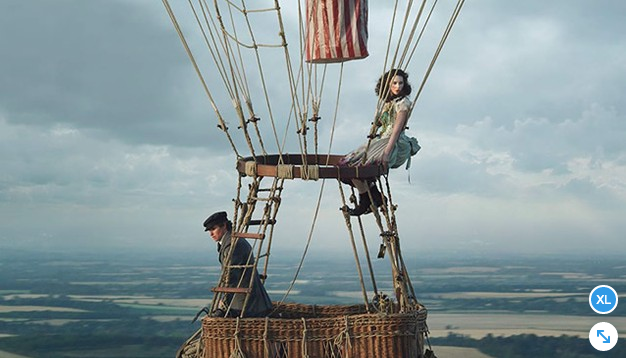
{"x":308,"y":331}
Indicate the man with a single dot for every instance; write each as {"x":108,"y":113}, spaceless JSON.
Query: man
{"x":231,"y":304}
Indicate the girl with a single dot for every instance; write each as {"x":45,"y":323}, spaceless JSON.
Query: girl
{"x":391,"y":146}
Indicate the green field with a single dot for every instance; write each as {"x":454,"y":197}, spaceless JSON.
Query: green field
{"x":121,"y":306}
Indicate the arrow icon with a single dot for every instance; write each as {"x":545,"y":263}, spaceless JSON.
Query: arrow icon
{"x":606,"y":339}
{"x":600,"y":336}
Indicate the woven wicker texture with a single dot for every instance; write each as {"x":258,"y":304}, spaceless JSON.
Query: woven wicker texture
{"x":296,"y":330}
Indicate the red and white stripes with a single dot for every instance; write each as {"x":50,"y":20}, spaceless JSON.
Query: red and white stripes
{"x":336,"y":30}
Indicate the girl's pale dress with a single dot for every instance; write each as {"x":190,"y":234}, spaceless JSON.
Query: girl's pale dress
{"x":404,"y":149}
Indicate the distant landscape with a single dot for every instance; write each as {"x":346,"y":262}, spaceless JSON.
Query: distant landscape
{"x":140,"y":304}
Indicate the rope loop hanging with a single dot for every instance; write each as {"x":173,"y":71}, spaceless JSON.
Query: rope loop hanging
{"x":237,"y":352}
{"x":265,"y":337}
{"x":305,"y":353}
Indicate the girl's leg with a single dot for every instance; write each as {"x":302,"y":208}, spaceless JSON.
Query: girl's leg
{"x":363,"y":207}
{"x":360,"y":185}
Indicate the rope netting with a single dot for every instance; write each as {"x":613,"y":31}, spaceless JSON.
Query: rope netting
{"x":241,"y":53}
{"x":258,"y":81}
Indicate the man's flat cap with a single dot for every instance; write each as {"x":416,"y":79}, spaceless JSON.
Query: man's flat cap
{"x":217,"y":218}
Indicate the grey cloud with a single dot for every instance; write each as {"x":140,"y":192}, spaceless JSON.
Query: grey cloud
{"x":446,"y":173}
{"x":106,"y":136}
{"x":520,"y":59}
{"x":68,"y":165}
{"x":599,"y":197}
{"x":538,"y":143}
{"x":112,"y":66}
{"x":67,"y":187}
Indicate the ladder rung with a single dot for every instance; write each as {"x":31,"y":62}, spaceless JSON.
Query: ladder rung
{"x":270,"y":189}
{"x":249,"y":235}
{"x":262,"y":256}
{"x":231,"y":289}
{"x":240,"y":266}
{"x":262,"y":199}
{"x":262,"y":221}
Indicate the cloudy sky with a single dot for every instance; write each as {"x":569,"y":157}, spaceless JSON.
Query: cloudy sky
{"x":107,"y":139}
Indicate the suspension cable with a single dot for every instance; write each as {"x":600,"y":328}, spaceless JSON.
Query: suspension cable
{"x":220,"y":119}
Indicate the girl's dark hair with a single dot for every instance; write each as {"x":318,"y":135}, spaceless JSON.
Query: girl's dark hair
{"x":383,"y":86}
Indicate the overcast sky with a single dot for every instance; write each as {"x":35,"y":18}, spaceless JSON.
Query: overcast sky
{"x":107,"y":139}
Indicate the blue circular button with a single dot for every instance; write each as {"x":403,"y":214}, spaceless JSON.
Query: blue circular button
{"x":603,"y":299}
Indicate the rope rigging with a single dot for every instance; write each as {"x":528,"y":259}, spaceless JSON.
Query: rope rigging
{"x":230,"y":50}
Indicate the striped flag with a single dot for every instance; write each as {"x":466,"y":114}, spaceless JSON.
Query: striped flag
{"x":336,"y":30}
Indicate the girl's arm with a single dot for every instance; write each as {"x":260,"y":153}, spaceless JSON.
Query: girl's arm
{"x":398,"y":126}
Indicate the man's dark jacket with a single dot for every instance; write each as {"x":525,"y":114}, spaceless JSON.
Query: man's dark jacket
{"x":259,"y":302}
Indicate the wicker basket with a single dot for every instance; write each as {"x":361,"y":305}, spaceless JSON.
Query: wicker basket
{"x":308,"y":331}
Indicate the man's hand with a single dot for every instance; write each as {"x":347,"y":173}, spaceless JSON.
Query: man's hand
{"x":218,"y":313}
{"x":204,"y":309}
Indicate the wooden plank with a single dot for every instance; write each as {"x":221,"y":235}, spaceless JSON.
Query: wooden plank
{"x":261,"y":222}
{"x":266,"y":166}
{"x":231,"y":289}
{"x":249,"y":235}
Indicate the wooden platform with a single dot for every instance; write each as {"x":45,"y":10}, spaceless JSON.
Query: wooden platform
{"x":309,"y":167}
